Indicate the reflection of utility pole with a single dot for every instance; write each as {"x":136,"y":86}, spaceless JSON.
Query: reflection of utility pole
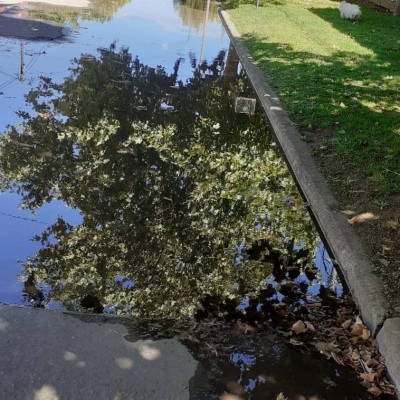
{"x":22,"y":64}
{"x":204,"y":31}
{"x":232,"y":62}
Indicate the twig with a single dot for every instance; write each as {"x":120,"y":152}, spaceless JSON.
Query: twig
{"x":212,"y":348}
{"x":393,"y":172}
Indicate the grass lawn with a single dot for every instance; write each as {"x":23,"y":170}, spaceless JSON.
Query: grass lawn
{"x":334,"y":75}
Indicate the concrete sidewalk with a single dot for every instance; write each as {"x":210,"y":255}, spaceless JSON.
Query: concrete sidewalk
{"x":49,"y":355}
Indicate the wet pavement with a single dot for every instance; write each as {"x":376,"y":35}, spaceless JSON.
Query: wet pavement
{"x":135,"y":157}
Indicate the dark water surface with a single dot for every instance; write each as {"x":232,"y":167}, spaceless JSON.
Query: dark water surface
{"x":132,"y":155}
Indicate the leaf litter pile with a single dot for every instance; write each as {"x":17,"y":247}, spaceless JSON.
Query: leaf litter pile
{"x":325,"y":325}
{"x":348,"y":343}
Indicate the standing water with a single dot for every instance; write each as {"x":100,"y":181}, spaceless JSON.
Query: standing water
{"x":138,"y":178}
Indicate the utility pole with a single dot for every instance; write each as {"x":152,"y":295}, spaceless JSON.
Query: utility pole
{"x":22,"y":62}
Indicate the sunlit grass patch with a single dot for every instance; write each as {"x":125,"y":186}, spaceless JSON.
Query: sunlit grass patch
{"x":331,"y":72}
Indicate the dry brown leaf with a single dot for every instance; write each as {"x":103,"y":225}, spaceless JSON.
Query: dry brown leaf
{"x":365,"y":217}
{"x":374,"y":390}
{"x":365,"y":366}
{"x":355,"y":355}
{"x":228,"y":396}
{"x":368,"y":377}
{"x":337,"y":358}
{"x":359,"y":320}
{"x":386,"y":248}
{"x":384,"y":262}
{"x":393,"y":224}
{"x":323,"y":347}
{"x":310,"y":326}
{"x":357,"y":330}
{"x":299,"y":327}
{"x":355,"y":340}
{"x":336,"y":330}
{"x":387,"y":387}
{"x":366,"y":334}
{"x":312,"y":305}
{"x":295,"y":342}
{"x":347,"y":212}
{"x":346,"y":324}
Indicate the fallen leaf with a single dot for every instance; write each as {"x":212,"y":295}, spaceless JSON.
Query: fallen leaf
{"x":366,"y":334}
{"x":346,"y":324}
{"x":369,"y":377}
{"x":322,"y":347}
{"x":317,"y":304}
{"x":386,"y":248}
{"x":299,"y":327}
{"x":281,"y":396}
{"x":359,"y":321}
{"x":295,"y":342}
{"x":337,"y":358}
{"x":333,"y":347}
{"x":228,"y":396}
{"x":384,"y":262}
{"x":386,"y":387}
{"x":365,"y":366}
{"x":342,"y":105}
{"x":365,"y":217}
{"x":310,"y":326}
{"x":393,"y":224}
{"x":347,"y":212}
{"x":357,"y":330}
{"x":355,"y":355}
{"x":374,"y":390}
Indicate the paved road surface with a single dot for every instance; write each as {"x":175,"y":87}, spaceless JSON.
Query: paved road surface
{"x":48,"y":355}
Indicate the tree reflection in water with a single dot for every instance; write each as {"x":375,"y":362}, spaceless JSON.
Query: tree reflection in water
{"x":182,"y":199}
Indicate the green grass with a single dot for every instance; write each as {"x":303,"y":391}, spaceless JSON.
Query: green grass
{"x":330,"y":72}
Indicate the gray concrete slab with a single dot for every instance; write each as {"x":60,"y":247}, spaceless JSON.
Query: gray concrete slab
{"x":366,"y":287}
{"x":46,"y":355}
{"x":388,"y":340}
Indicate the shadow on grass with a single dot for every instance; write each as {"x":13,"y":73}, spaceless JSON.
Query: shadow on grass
{"x":351,"y":92}
{"x":376,"y":31}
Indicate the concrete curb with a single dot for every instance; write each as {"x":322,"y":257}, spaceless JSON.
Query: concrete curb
{"x":366,"y":287}
{"x":388,"y":340}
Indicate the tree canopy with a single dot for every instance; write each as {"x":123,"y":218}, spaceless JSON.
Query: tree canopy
{"x":174,"y":187}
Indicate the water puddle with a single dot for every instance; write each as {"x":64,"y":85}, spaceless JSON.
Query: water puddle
{"x":134,"y":154}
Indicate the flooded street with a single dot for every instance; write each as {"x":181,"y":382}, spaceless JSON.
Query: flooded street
{"x":138,"y":178}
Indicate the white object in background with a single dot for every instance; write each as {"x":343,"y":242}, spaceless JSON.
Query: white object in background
{"x":349,"y":11}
